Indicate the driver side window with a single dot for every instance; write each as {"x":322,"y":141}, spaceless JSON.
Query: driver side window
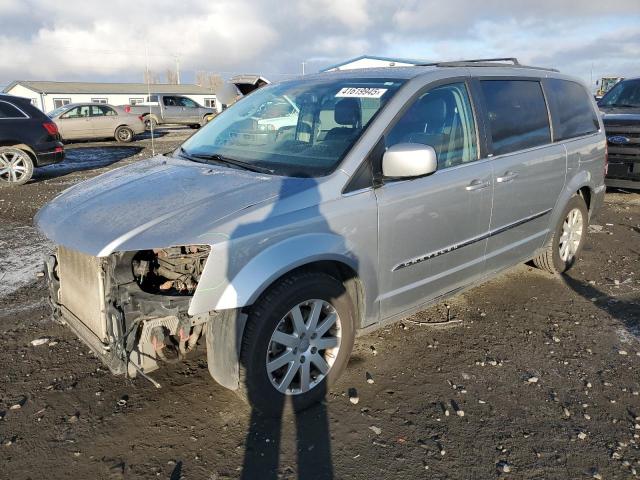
{"x":443,"y":119}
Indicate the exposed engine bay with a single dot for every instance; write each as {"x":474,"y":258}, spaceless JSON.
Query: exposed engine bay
{"x":131,"y":307}
{"x":174,"y":270}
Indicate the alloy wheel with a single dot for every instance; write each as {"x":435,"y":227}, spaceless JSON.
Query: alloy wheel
{"x":571,"y":235}
{"x":13,"y":166}
{"x":124,"y":134}
{"x":303,"y":347}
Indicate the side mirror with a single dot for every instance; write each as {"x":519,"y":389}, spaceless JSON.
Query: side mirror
{"x":406,"y":160}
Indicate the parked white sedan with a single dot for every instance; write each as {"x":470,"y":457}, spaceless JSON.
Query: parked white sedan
{"x":84,"y":121}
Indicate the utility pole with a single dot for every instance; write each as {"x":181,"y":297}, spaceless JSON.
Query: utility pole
{"x":303,"y":68}
{"x":177,"y":68}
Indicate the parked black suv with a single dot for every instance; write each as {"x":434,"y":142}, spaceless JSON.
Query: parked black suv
{"x":621,"y":115}
{"x":28,"y":139}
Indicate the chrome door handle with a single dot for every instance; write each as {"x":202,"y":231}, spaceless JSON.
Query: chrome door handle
{"x":507,"y":177}
{"x":476,"y":185}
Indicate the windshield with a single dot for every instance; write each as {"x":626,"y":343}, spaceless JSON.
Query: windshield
{"x":623,"y":94}
{"x":298,"y":128}
{"x":58,"y":111}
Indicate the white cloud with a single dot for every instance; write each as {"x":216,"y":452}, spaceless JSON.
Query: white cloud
{"x":94,"y":40}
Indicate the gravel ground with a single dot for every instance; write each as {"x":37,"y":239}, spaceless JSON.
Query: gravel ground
{"x":536,"y":376}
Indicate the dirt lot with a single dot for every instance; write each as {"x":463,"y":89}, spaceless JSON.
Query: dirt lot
{"x":536,"y":377}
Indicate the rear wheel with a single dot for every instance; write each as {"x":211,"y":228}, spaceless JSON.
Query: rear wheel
{"x":124,"y":134}
{"x":297,"y":341}
{"x":150,"y":123}
{"x":565,"y":246}
{"x":16,"y":166}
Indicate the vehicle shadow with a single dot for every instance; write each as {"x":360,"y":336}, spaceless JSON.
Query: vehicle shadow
{"x":85,"y":158}
{"x":157,"y":133}
{"x":626,"y":311}
{"x":264,"y":437}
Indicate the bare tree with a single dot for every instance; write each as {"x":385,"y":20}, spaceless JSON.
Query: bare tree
{"x":214,"y":81}
{"x":172,"y":76}
{"x":150,"y":77}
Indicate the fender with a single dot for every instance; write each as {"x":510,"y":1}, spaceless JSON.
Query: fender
{"x":578,"y":181}
{"x":262,"y":270}
{"x":21,"y":146}
{"x":226,"y":328}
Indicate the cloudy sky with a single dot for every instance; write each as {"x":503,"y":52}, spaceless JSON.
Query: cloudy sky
{"x":106,"y":40}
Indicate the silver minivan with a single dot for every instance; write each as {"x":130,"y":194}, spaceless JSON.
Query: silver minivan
{"x":275,"y":245}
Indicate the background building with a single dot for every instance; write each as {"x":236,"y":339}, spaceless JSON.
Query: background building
{"x":49,"y":95}
{"x":370,"y":61}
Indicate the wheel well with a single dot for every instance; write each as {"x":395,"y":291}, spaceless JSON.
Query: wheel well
{"x":585,"y":193}
{"x":343,"y":272}
{"x":24,"y":148}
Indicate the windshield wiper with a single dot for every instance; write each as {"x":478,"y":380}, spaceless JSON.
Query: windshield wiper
{"x":623,"y":105}
{"x":226,"y":160}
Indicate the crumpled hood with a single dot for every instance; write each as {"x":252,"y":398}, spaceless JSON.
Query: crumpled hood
{"x":154,"y":203}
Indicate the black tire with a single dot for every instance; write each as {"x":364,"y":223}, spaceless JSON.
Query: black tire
{"x":549,"y":259}
{"x":256,"y":387}
{"x":16,"y":166}
{"x":150,"y":123}
{"x":123,"y":134}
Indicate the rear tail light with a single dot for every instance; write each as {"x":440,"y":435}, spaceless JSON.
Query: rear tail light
{"x":51,"y":128}
{"x":127,"y":108}
{"x":606,"y":159}
{"x":59,"y":149}
{"x":141,"y":118}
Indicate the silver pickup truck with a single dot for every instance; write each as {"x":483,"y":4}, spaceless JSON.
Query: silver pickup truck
{"x":162,"y":109}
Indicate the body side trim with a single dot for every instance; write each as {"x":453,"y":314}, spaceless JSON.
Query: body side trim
{"x":456,"y":246}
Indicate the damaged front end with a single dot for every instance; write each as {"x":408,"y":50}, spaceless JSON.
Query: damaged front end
{"x":130,"y":307}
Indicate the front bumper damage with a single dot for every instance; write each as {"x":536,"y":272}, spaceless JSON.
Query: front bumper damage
{"x":130,"y":308}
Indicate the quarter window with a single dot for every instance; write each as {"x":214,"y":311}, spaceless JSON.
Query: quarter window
{"x":9,"y":111}
{"x":573,"y":113}
{"x":443,"y":119}
{"x":518,"y":116}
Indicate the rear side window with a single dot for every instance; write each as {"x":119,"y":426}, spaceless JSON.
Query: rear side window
{"x":518,"y":116}
{"x":100,"y":111}
{"x":572,"y":112}
{"x":9,"y":111}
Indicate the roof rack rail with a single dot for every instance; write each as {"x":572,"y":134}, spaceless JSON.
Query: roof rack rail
{"x":485,"y":62}
{"x":513,"y":60}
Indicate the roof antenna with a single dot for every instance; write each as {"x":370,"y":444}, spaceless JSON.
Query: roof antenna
{"x":151,"y":122}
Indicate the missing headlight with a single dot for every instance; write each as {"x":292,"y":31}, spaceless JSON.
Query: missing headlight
{"x":170,"y":271}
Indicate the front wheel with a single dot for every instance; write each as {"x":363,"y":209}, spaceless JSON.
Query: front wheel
{"x":16,"y":166}
{"x":297,"y":341}
{"x":565,"y":246}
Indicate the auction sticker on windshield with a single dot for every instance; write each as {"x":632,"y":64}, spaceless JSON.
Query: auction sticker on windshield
{"x":361,"y":92}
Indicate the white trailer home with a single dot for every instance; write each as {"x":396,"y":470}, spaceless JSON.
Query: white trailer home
{"x":50,"y":95}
